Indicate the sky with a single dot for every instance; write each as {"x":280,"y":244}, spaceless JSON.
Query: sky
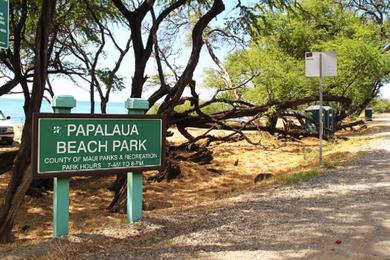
{"x":205,"y":61}
{"x":67,"y":87}
{"x":64,"y":86}
{"x":385,"y":91}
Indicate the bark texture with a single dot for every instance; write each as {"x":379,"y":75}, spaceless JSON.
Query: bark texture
{"x":21,"y":171}
{"x":142,"y":54}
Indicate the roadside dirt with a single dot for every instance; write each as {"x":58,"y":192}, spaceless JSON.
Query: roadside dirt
{"x":344,"y":213}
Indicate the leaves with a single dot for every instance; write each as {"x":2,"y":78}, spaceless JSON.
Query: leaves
{"x":283,"y":35}
{"x":110,"y":79}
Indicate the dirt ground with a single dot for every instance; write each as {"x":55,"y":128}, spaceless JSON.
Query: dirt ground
{"x":226,"y":215}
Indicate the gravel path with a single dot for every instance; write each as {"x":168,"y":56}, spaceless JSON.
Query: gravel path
{"x":342,"y":214}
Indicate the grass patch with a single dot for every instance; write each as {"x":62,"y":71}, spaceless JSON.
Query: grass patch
{"x":300,"y":177}
{"x":331,"y":165}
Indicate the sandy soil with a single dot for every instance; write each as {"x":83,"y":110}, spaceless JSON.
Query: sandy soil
{"x":226,"y":216}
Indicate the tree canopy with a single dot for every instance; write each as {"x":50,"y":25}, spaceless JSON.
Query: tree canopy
{"x":277,"y":51}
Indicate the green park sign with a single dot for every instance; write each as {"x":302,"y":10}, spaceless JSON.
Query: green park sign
{"x":81,"y":144}
{"x":4,"y":23}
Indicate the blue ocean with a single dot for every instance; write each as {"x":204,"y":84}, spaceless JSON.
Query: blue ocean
{"x":14,"y":108}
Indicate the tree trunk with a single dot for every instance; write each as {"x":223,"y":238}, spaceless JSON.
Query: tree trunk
{"x":139,"y":78}
{"x":118,"y":203}
{"x":103,"y":106}
{"x":272,"y":121}
{"x":17,"y":187}
{"x":21,"y":171}
{"x":92,"y":98}
{"x":141,"y":57}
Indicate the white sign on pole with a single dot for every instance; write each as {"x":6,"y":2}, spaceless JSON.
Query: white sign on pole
{"x":320,"y":64}
{"x":313,"y":66}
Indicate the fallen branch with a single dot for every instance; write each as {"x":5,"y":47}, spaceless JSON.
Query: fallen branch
{"x":351,"y":125}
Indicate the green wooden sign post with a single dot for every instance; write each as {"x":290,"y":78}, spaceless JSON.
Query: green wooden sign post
{"x":135,"y":106}
{"x":4,"y":24}
{"x":66,"y":145}
{"x":61,"y":105}
{"x":83,"y":144}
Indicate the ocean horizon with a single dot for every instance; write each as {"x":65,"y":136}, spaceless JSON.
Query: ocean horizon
{"x":14,"y":108}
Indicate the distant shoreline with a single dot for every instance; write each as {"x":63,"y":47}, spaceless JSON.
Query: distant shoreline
{"x":14,"y":108}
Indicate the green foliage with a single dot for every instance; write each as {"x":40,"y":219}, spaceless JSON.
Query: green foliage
{"x":381,"y":106}
{"x":72,"y":17}
{"x":249,"y":14}
{"x":111,"y":80}
{"x":360,"y":64}
{"x":300,"y":177}
{"x":280,"y":76}
{"x":210,"y":109}
{"x":183,"y":107}
{"x":284,"y":35}
{"x":215,"y":108}
{"x":154,"y":109}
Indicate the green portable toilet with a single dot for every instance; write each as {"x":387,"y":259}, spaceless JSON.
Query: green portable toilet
{"x":312,"y":123}
{"x":368,"y":114}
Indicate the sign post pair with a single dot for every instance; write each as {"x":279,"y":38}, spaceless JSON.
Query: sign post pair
{"x":80,"y":144}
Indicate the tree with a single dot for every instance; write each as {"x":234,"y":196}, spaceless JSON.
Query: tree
{"x":22,"y":174}
{"x":142,"y":53}
{"x":381,"y":105}
{"x":87,"y":42}
{"x":277,"y":52}
{"x":377,"y":11}
{"x":39,"y":42}
{"x":17,"y":62}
